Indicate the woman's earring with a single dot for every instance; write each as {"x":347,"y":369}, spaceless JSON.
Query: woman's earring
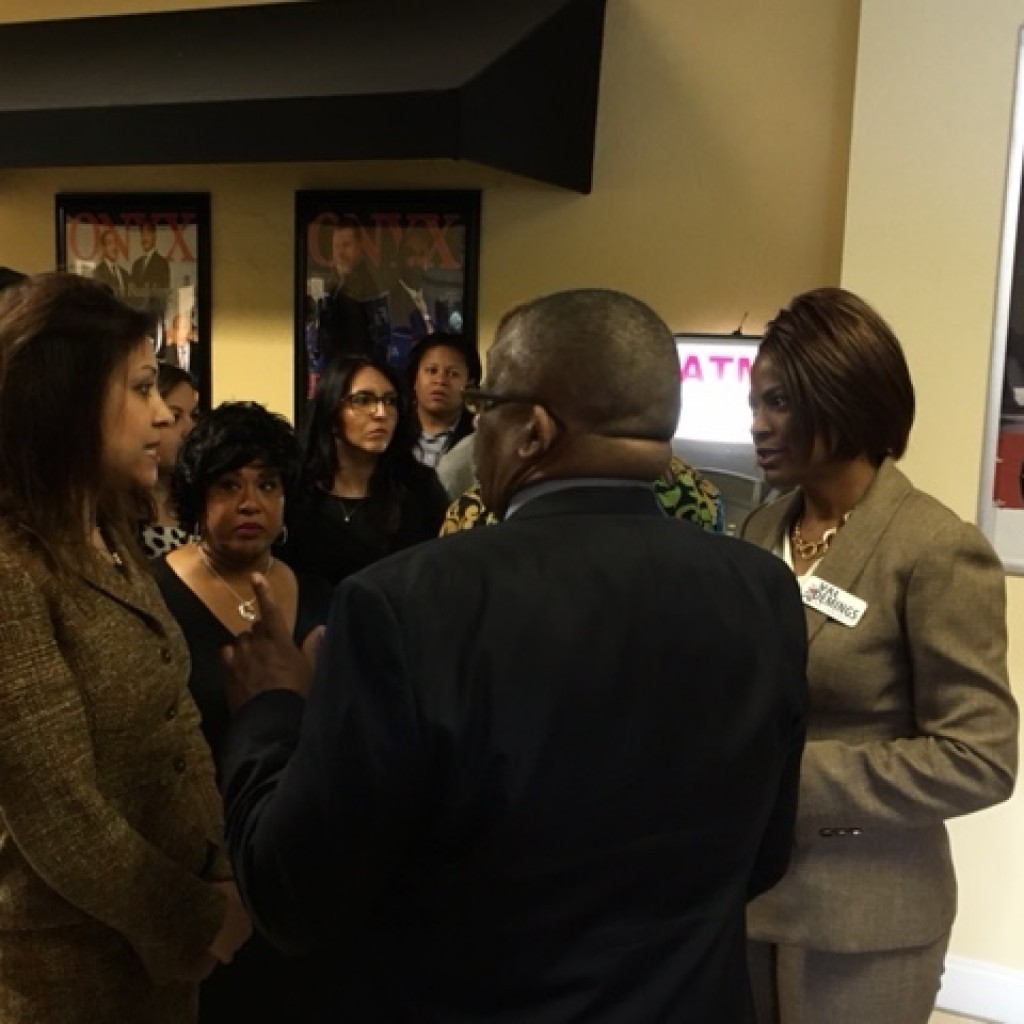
{"x":283,"y":536}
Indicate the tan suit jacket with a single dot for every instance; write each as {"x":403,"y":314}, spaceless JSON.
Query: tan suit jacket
{"x":111,"y":824}
{"x":911,"y":722}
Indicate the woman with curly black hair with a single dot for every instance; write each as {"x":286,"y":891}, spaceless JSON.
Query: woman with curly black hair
{"x":363,"y":495}
{"x":229,"y":488}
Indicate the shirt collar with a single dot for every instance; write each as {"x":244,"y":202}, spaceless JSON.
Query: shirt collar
{"x":552,"y":486}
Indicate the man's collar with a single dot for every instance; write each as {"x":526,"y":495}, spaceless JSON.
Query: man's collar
{"x":527,"y":494}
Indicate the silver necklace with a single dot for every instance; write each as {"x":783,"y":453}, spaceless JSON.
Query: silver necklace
{"x":346,"y":512}
{"x":246,"y":608}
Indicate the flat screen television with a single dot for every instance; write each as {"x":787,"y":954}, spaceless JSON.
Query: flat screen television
{"x":714,"y":386}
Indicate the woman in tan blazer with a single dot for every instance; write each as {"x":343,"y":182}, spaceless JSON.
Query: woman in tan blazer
{"x":911,"y":719}
{"x":115,"y":896}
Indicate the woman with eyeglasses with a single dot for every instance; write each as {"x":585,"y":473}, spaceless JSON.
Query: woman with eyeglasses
{"x":363,"y":495}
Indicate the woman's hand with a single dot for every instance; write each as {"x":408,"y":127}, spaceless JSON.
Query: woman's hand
{"x":235,"y":928}
{"x":265,"y":658}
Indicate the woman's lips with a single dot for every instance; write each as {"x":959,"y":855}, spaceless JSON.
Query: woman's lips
{"x":767,"y":457}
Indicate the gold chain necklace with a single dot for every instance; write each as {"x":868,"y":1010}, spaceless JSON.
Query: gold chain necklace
{"x":246,"y":609}
{"x":811,"y":549}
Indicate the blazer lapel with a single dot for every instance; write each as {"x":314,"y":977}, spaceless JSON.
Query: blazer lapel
{"x":853,"y":545}
{"x":856,"y":542}
{"x":127,"y":586}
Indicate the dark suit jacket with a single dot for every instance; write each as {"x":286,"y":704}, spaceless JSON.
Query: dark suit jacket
{"x":911,"y":722}
{"x":118,"y":280}
{"x":169,"y":354}
{"x":154,"y":275}
{"x":541,"y":769}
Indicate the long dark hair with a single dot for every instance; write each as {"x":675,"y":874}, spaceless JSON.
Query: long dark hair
{"x":395,"y":466}
{"x":62,"y":340}
{"x":169,"y":376}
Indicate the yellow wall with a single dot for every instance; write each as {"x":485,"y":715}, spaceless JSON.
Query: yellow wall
{"x":719,"y":184}
{"x":927,"y":174}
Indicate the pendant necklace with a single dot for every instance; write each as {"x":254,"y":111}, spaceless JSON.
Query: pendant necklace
{"x":246,"y":608}
{"x":348,"y":510}
{"x":811,"y":549}
{"x":110,"y":551}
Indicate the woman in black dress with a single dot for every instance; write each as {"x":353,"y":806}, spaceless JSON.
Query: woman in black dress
{"x":229,"y":488}
{"x":363,"y":495}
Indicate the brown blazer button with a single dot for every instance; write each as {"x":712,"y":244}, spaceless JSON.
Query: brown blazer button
{"x":179,"y":764}
{"x":826,"y":832}
{"x":171,"y":713}
{"x":165,"y":655}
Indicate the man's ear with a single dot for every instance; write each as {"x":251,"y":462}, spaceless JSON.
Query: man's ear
{"x":539,"y":433}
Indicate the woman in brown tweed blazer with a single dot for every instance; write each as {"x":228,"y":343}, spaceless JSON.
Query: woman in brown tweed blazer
{"x":911,"y":720}
{"x":115,"y":897}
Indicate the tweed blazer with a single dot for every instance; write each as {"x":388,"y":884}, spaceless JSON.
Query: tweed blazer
{"x":911,"y":722}
{"x":111,"y":825}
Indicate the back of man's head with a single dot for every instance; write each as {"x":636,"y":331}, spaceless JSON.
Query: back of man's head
{"x":604,"y":361}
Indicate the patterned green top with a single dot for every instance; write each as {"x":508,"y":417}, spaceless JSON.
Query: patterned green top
{"x":683,"y":491}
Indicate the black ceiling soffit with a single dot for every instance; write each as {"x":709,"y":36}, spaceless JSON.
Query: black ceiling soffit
{"x":508,"y":83}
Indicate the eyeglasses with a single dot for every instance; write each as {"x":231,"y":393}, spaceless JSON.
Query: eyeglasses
{"x":478,"y":402}
{"x":368,"y":401}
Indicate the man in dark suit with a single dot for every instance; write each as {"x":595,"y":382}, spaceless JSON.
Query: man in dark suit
{"x":109,"y":269}
{"x":177,"y":348}
{"x":543,"y":765}
{"x":151,"y":273}
{"x":351,"y":296}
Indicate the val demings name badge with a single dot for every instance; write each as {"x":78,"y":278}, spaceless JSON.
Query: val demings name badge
{"x":828,"y":599}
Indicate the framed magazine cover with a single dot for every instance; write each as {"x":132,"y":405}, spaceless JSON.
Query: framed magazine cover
{"x":378,"y":270}
{"x":153,"y":250}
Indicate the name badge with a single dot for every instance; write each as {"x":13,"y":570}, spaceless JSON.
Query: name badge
{"x":828,"y":599}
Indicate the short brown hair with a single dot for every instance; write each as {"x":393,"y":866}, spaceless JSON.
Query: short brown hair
{"x":845,"y":374}
{"x":62,"y":338}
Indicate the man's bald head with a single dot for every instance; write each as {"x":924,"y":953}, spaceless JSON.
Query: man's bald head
{"x":602,"y":360}
{"x":582,"y":384}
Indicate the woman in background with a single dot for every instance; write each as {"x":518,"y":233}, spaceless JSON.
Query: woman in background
{"x":363,"y":495}
{"x":180,"y":393}
{"x":229,"y":487}
{"x":911,"y":720}
{"x":440,"y":367}
{"x":115,"y":897}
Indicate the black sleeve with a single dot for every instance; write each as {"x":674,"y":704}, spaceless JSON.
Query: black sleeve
{"x":320,"y":805}
{"x":777,"y":840}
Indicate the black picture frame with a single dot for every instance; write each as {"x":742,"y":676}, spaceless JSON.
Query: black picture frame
{"x":170,"y":278}
{"x":358,"y":252}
